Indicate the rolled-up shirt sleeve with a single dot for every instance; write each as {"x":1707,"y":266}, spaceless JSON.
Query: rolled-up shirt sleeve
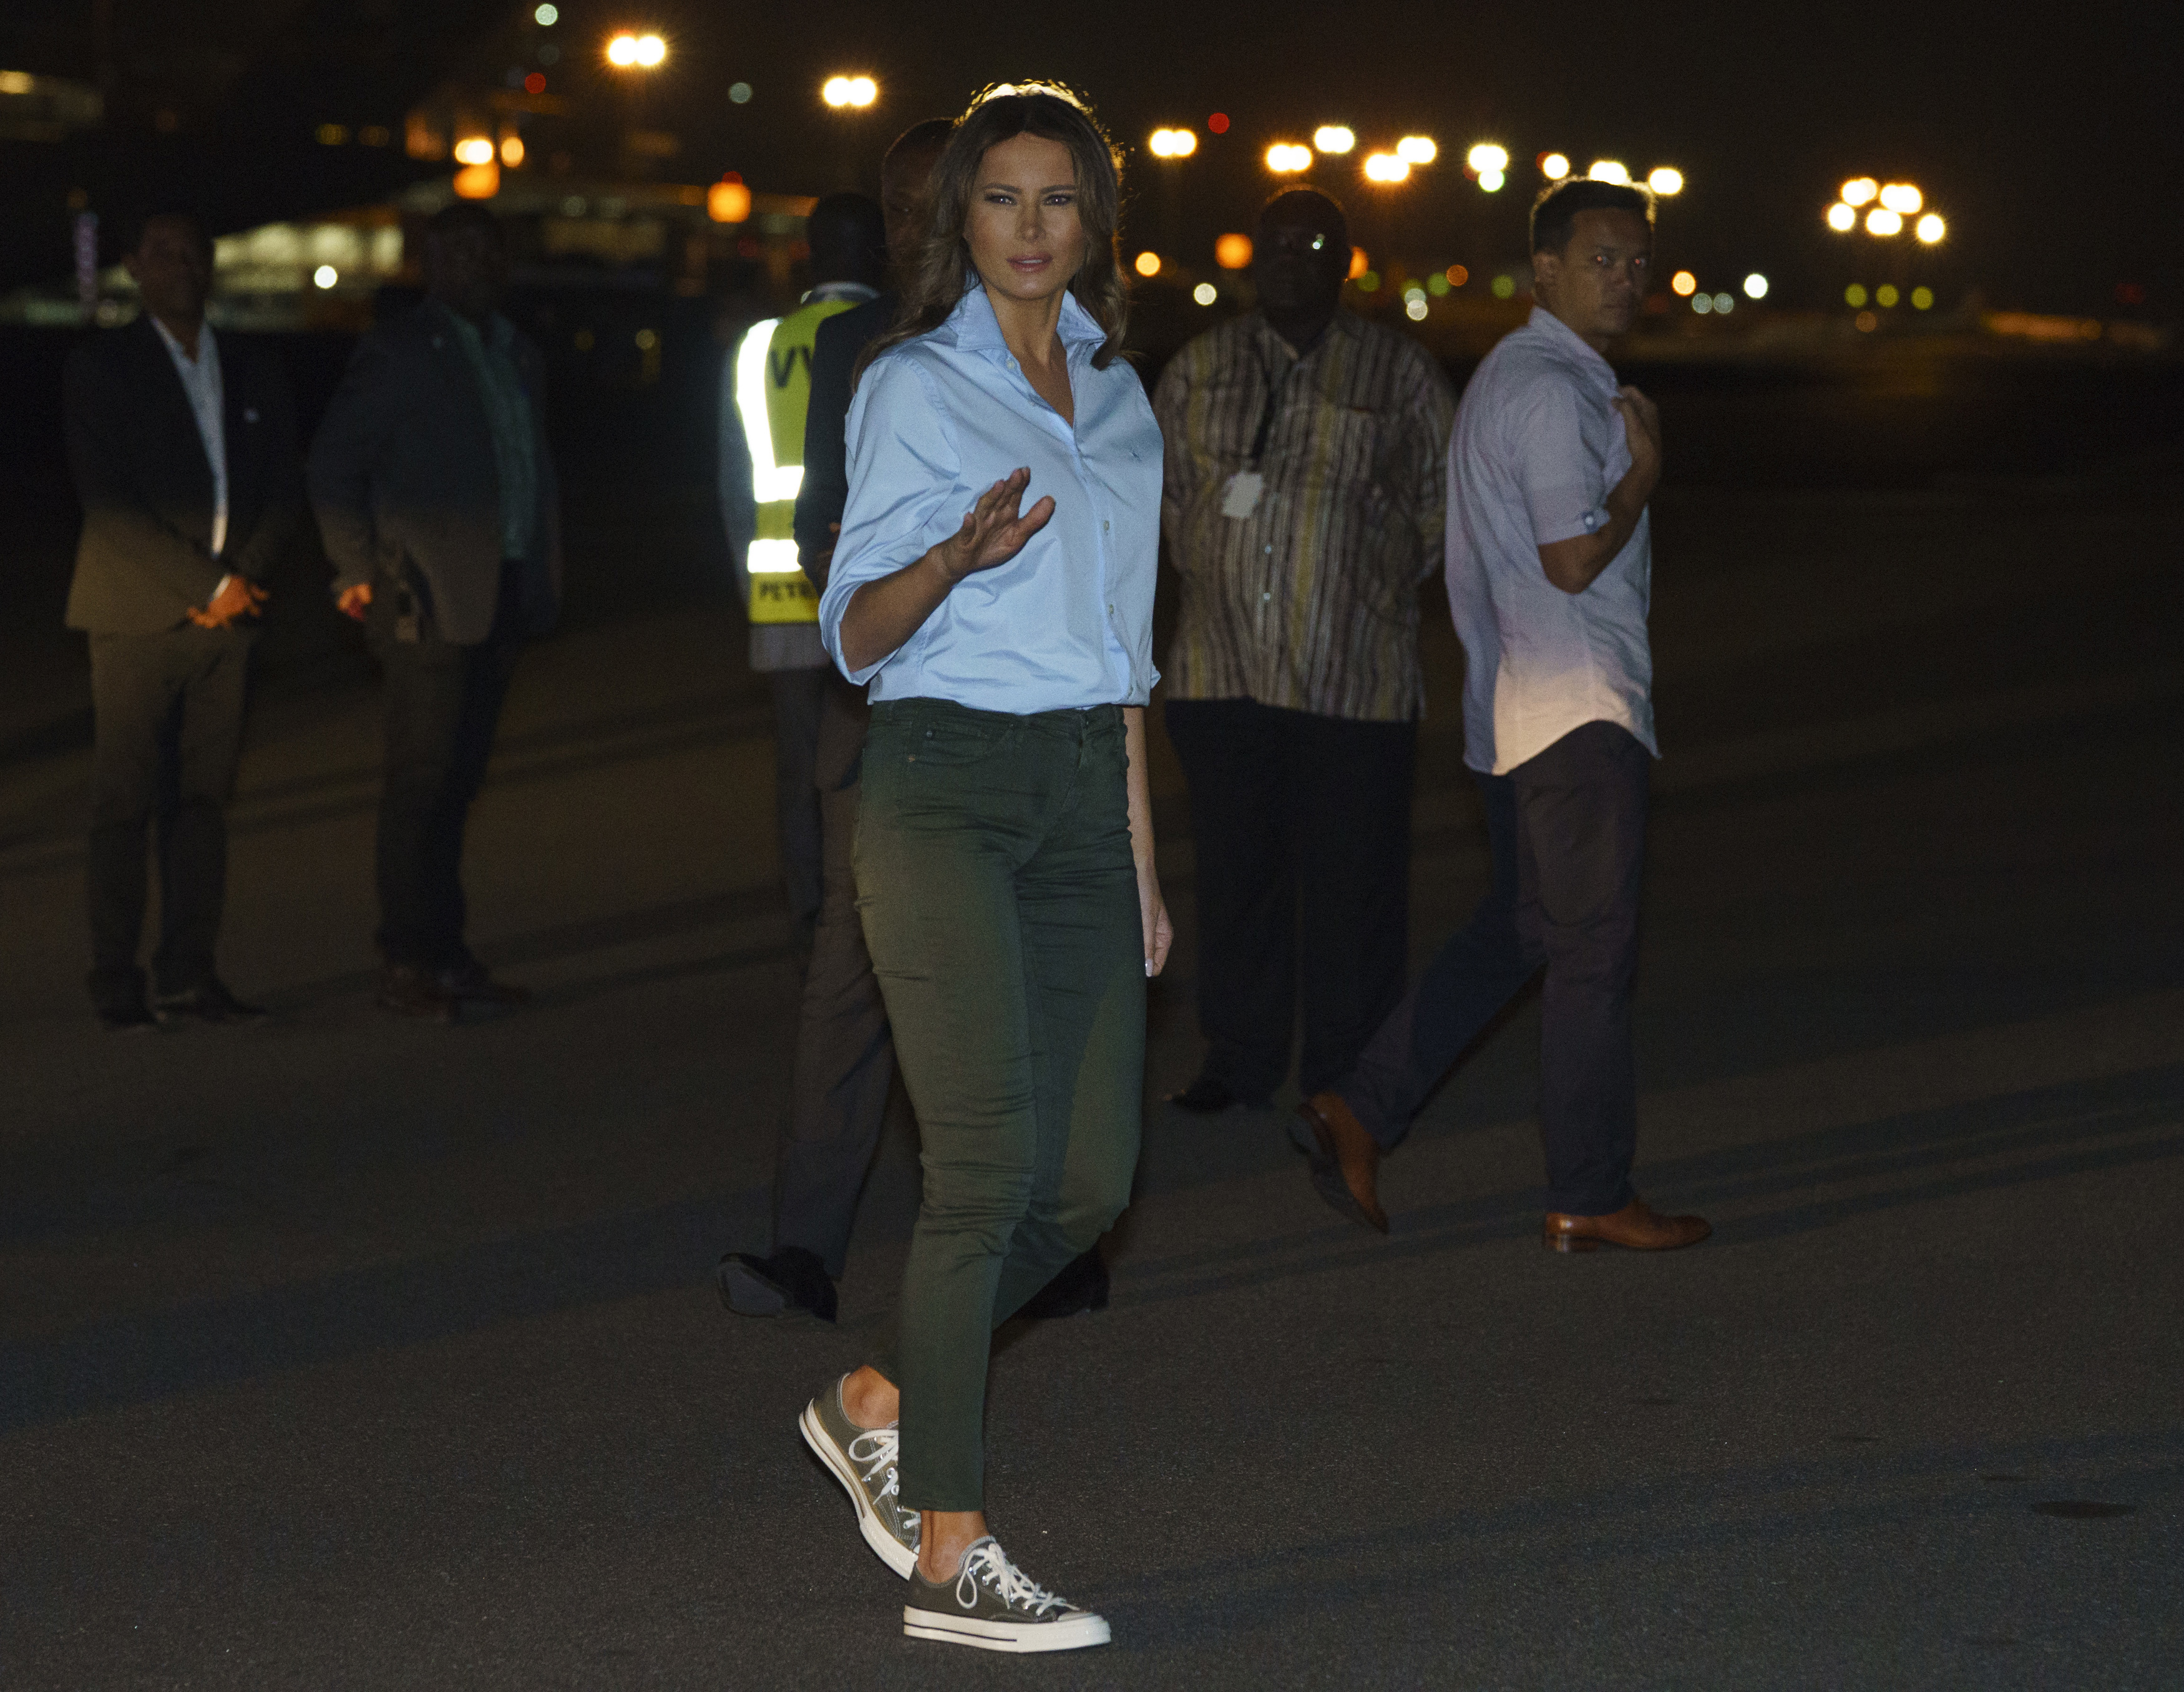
{"x":903,"y":469}
{"x":1561,"y":480}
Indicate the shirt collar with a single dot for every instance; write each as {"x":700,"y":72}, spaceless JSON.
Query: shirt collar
{"x":1562,"y":335}
{"x":855,"y":292}
{"x":1342,"y":323}
{"x":175,"y":346}
{"x":498,"y":330}
{"x":976,"y":329}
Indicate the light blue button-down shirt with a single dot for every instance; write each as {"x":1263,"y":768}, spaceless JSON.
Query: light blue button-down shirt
{"x":1065,"y":623}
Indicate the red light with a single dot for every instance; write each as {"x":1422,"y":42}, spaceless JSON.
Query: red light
{"x":1218,"y":123}
{"x":535,"y":83}
{"x":731,"y":175}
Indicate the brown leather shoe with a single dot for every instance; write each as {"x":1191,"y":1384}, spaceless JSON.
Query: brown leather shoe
{"x":1634,"y":1227}
{"x":1346,"y":1172}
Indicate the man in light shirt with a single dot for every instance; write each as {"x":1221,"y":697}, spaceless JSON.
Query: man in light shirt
{"x":1550,"y":562}
{"x":182,"y":445}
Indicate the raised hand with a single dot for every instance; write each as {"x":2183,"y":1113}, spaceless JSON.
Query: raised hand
{"x":992,"y":533}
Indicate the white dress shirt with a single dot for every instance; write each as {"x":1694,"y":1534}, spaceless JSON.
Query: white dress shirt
{"x":201,"y":382}
{"x":1065,"y":625}
{"x":1538,"y":447}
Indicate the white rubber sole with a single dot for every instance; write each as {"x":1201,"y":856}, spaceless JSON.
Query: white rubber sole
{"x":885,"y":1546}
{"x":1073,"y":1634}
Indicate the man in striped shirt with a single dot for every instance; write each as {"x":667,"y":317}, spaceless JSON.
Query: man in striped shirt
{"x":1303,"y":506}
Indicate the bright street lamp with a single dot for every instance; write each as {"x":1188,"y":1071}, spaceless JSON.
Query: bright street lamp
{"x":1555,"y":166}
{"x":1416,"y":149}
{"x":1286,"y":157}
{"x":1842,"y":217}
{"x":1930,"y":228}
{"x":1608,"y":170}
{"x":1486,"y":156}
{"x":627,"y":51}
{"x":850,"y":90}
{"x":1667,"y":180}
{"x":1882,"y":221}
{"x":1901,"y":198}
{"x":1755,"y":286}
{"x":1333,"y":138}
{"x":1859,"y":191}
{"x":1385,"y":167}
{"x":1173,"y":143}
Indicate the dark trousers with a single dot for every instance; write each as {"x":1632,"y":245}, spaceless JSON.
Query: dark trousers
{"x":798,"y":700}
{"x":1001,"y":903}
{"x":1567,"y":832}
{"x":844,"y":1052}
{"x":168,"y":715}
{"x":1301,"y":825}
{"x":442,"y":704}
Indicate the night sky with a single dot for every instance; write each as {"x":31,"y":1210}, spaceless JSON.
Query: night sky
{"x":2038,"y":140}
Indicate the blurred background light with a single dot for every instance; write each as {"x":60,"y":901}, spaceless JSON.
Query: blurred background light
{"x":1666,"y":180}
{"x":1284,"y":158}
{"x":325,"y":275}
{"x":1502,"y":286}
{"x":1367,"y":282}
{"x":475,"y":149}
{"x":547,"y":15}
{"x":1702,"y":303}
{"x":740,"y":92}
{"x":1922,"y":299}
{"x":1205,"y":293}
{"x":1901,"y":198}
{"x":1385,"y":167}
{"x":1554,"y":166}
{"x":1930,"y":228}
{"x":1416,"y":149}
{"x":1859,"y":191}
{"x":1359,"y":263}
{"x":1885,"y":294}
{"x":1148,"y":264}
{"x":1173,"y":143}
{"x":1684,"y":282}
{"x":478,"y":181}
{"x":512,"y":150}
{"x":1486,"y":156}
{"x":1492,"y":180}
{"x":1333,"y":138}
{"x":1437,"y":283}
{"x":849,"y":90}
{"x":1854,"y":295}
{"x":1608,"y":170}
{"x":1415,"y":309}
{"x":1724,"y":304}
{"x":1755,"y":286}
{"x":727,"y":202}
{"x":1218,"y":123}
{"x":1458,"y":275}
{"x":622,"y":51}
{"x":1842,"y":217}
{"x":1233,"y":252}
{"x":1882,"y":221}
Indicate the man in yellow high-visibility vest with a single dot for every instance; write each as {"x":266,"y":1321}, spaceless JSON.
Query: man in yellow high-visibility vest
{"x":766,"y":389}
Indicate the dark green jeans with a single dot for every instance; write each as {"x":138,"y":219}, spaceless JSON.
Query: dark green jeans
{"x":1000,"y":907}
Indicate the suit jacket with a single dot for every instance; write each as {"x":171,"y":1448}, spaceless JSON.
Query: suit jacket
{"x":143,"y":562}
{"x":406,"y":487}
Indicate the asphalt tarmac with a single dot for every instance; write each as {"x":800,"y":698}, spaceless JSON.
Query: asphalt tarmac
{"x":342,"y":1352}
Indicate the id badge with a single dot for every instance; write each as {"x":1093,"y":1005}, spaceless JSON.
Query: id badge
{"x":1241,"y":497}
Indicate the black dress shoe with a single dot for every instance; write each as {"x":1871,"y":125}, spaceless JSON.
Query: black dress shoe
{"x":209,"y":1003}
{"x":1207,"y":1097}
{"x":126,"y":1018}
{"x":793,"y":1278}
{"x":470,"y":983}
{"x":1082,"y":1285}
{"x":408,"y":991}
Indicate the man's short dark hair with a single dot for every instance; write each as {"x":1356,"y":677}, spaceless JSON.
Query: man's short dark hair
{"x":1300,"y":196}
{"x":462,"y":215}
{"x":134,"y":222}
{"x":928,"y":136}
{"x":1554,"y":214}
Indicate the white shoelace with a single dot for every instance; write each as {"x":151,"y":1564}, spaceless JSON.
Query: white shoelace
{"x":882,"y":1450}
{"x":987,"y":1562}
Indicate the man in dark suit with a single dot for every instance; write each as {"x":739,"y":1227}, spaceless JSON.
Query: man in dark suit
{"x":183,"y":449}
{"x":436,"y":501}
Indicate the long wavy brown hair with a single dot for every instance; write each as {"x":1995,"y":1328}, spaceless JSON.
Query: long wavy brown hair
{"x":943,"y":272}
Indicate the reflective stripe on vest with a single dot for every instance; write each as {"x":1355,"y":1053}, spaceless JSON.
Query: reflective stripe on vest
{"x":773,"y":392}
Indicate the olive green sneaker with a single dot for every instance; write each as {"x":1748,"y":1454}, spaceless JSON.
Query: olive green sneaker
{"x":993,"y":1606}
{"x":864,"y":1460}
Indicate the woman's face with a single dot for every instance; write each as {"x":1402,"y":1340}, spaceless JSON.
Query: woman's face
{"x":1026,"y":237}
